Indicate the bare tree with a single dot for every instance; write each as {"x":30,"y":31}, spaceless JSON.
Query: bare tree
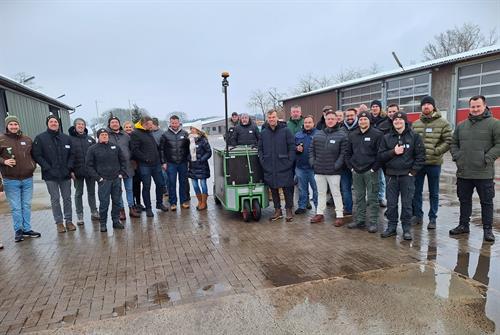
{"x":260,"y":101}
{"x":21,"y":78}
{"x":457,"y":40}
{"x":275,"y":98}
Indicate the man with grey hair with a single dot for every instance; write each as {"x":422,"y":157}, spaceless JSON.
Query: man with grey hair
{"x":245,"y":133}
{"x":80,"y":143}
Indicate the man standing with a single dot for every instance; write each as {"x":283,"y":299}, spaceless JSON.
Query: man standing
{"x":378,"y":118}
{"x":303,"y":170}
{"x":80,"y":142}
{"x":174,"y":150}
{"x":117,"y":136}
{"x":233,"y":122}
{"x":361,"y":159}
{"x":277,"y":157}
{"x":246,"y":133}
{"x":296,"y":120}
{"x":349,"y":124}
{"x":17,"y":167}
{"x":106,"y":164}
{"x":386,"y":125}
{"x":436,"y":134}
{"x":403,"y":154}
{"x":145,"y":151}
{"x":475,"y":148}
{"x":326,"y":156}
{"x":52,"y":151}
{"x":321,"y":123}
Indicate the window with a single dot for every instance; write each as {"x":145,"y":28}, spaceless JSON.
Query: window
{"x":483,"y":78}
{"x":214,"y":128}
{"x":408,"y":91}
{"x":352,"y":97}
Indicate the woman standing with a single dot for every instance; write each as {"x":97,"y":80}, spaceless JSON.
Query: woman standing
{"x":17,"y":167}
{"x":128,"y":127}
{"x":198,"y":169}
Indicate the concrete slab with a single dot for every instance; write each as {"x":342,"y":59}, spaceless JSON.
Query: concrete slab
{"x":417,"y":298}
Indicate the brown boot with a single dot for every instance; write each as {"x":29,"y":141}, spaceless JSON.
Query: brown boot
{"x":132,"y":212}
{"x":339,"y":222}
{"x":200,"y":201}
{"x":277,"y":215}
{"x":203,"y":202}
{"x":318,"y":218}
{"x":61,"y":228}
{"x":123,"y":216}
{"x":70,"y":226}
{"x":289,"y":215}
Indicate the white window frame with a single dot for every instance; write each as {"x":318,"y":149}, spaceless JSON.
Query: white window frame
{"x":350,"y":88}
{"x":480,"y":85}
{"x":387,"y":90}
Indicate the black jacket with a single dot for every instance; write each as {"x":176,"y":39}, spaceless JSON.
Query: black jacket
{"x":245,"y":135}
{"x":362,"y":150}
{"x":199,"y":169}
{"x":321,"y":123}
{"x":80,"y":143}
{"x":105,"y":161}
{"x":377,"y":121}
{"x":277,"y":155}
{"x":52,"y":151}
{"x":327,"y":151}
{"x":143,"y":147}
{"x":413,"y":157}
{"x":174,"y":147}
{"x":385,"y":126}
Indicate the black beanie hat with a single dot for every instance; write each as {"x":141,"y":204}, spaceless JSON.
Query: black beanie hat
{"x":113,"y":118}
{"x":51,"y":116}
{"x":376,"y":102}
{"x":428,"y":100}
{"x":400,"y":115}
{"x":100,"y":131}
{"x":365,"y":114}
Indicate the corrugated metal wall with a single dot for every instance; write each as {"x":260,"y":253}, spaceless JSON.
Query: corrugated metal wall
{"x":65,"y":120}
{"x":31,"y":113}
{"x":312,"y":104}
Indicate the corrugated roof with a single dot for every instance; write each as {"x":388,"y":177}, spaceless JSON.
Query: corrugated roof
{"x":407,"y":69}
{"x":15,"y":86}
{"x":204,"y":122}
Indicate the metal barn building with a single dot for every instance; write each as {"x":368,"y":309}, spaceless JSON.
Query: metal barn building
{"x":451,"y":81}
{"x":31,"y":106}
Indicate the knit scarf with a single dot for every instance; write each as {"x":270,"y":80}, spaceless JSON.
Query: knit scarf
{"x":192,"y":146}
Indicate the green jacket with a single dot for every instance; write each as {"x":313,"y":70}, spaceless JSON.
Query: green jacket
{"x":436,"y":134}
{"x":476,"y":146}
{"x":295,"y":125}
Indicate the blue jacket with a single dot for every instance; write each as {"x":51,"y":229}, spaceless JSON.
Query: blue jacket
{"x":304,"y":137}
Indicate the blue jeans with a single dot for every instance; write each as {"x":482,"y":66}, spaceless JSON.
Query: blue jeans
{"x":346,"y":189}
{"x":129,"y":193}
{"x":106,"y":189}
{"x":173,"y":170}
{"x":305,"y":177}
{"x":19,"y":194}
{"x":146,"y":173}
{"x":196,"y":185}
{"x":433,"y":172}
{"x":382,"y":185}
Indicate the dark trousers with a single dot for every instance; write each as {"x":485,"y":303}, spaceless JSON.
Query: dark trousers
{"x":106,"y":189}
{"x":485,"y":189}
{"x":147,"y":172}
{"x":288,"y":193}
{"x":346,"y":189}
{"x":136,"y":187}
{"x":404,"y":186}
{"x":432,"y":172}
{"x":181,"y":171}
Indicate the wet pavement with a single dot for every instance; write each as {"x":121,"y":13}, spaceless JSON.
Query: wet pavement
{"x":177,"y":258}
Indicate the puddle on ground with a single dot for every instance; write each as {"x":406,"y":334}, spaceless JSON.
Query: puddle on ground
{"x":281,"y":274}
{"x":212,"y":289}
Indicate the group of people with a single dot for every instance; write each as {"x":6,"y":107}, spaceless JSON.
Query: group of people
{"x":384,"y":159}
{"x":379,"y":155}
{"x":129,"y":155}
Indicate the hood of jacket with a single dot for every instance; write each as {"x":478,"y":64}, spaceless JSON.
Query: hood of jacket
{"x":72,"y":132}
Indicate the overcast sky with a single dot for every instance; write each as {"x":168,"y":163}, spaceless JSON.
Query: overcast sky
{"x":168,"y":55}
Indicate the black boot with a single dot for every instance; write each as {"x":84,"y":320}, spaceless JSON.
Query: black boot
{"x":118,"y":225}
{"x":488,"y":235}
{"x":460,"y":229}
{"x":388,"y":232}
{"x":103,"y":227}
